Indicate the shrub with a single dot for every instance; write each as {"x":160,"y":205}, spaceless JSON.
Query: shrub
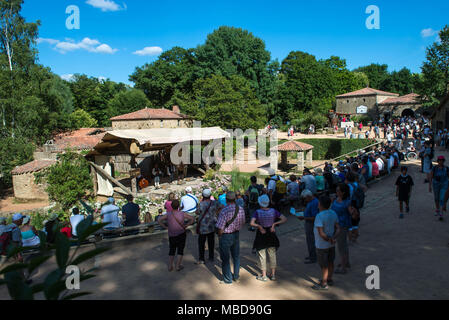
{"x":325,"y":149}
{"x":68,"y":180}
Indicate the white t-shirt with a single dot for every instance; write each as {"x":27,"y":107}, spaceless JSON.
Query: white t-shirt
{"x":74,"y":221}
{"x":110,"y":215}
{"x":380,"y":164}
{"x":189,"y":203}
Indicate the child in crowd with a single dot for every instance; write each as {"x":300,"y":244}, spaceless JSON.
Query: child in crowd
{"x":404,"y":185}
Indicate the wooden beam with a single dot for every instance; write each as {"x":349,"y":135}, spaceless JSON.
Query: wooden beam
{"x":108,"y":176}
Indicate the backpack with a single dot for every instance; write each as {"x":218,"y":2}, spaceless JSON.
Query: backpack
{"x":5,"y":240}
{"x":281,"y":187}
{"x":358,"y":197}
{"x":253,"y":195}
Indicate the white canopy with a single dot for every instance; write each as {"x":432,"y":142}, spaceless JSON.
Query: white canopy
{"x":168,"y":136}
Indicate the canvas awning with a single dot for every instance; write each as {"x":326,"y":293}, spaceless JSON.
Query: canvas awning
{"x":168,"y":136}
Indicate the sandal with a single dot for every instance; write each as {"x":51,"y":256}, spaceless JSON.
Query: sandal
{"x":180,"y":268}
{"x":320,"y":287}
{"x":170,"y":269}
{"x":263,"y":279}
{"x":199,"y":262}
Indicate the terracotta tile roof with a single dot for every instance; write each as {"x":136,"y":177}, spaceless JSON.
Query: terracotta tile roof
{"x":32,"y":166}
{"x":82,"y":139}
{"x":367,"y":92}
{"x":294,"y":146}
{"x":411,"y":98}
{"x":153,"y":114}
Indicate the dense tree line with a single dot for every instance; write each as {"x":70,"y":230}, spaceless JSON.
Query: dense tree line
{"x":230,"y":80}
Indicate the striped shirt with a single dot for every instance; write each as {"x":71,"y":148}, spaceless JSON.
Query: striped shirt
{"x":226,"y":214}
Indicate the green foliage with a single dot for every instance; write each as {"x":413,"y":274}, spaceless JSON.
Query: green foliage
{"x":13,"y":152}
{"x":239,"y":181}
{"x":228,"y":103}
{"x":68,"y":180}
{"x":82,"y":119}
{"x":435,"y":70}
{"x":326,"y":149}
{"x":126,"y":102}
{"x":53,"y":287}
{"x":361,"y":118}
{"x":302,"y":121}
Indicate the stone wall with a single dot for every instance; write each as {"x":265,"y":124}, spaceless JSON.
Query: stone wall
{"x":398,"y":109}
{"x":349,"y":105}
{"x":25,"y":187}
{"x":441,"y":117}
{"x":151,"y":124}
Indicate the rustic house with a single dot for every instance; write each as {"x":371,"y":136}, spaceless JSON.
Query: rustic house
{"x":440,"y":118}
{"x":23,"y":177}
{"x":152,"y":119}
{"x":364,"y":101}
{"x":401,"y":106}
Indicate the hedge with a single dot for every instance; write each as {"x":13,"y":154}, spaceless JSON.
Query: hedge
{"x":325,"y":149}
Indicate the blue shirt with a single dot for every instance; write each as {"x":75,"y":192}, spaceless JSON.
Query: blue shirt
{"x":222,"y":199}
{"x":341,"y":209}
{"x":326,"y":220}
{"x":312,"y":209}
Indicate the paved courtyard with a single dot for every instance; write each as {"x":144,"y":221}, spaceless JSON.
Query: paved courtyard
{"x":412,"y":254}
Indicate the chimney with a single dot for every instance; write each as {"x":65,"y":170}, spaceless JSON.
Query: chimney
{"x":176,"y":109}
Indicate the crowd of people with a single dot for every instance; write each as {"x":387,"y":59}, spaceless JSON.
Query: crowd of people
{"x":332,"y":199}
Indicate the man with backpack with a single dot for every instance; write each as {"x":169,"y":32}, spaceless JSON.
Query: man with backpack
{"x":253,"y":193}
{"x":277,"y":189}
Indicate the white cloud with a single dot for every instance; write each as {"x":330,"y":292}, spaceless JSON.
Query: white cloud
{"x":149,"y":51}
{"x":67,"y":77}
{"x":90,"y":45}
{"x":106,"y":5}
{"x":425,"y":33}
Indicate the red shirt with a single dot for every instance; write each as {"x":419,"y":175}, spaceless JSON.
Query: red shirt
{"x":67,"y":231}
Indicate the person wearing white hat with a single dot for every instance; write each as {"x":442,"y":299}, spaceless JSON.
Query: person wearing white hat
{"x":30,"y":236}
{"x":266,"y":241}
{"x":189,"y":203}
{"x":16,"y":236}
{"x":205,"y":227}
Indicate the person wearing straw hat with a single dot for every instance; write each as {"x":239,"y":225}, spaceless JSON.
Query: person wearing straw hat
{"x":266,"y":242}
{"x":30,"y":236}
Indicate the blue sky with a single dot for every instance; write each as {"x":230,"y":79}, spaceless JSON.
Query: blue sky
{"x":113,"y":34}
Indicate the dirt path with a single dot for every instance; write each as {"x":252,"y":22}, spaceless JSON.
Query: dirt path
{"x":412,"y":254}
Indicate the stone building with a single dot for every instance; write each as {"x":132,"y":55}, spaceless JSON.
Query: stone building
{"x":152,"y":119}
{"x":440,"y":118}
{"x":400,"y":106}
{"x":349,"y":103}
{"x":24,"y":184}
{"x":25,"y":187}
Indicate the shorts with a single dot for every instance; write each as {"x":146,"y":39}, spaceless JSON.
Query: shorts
{"x":325,"y":257}
{"x":177,"y":244}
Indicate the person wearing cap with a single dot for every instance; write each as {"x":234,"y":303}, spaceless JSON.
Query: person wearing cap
{"x":439,"y":180}
{"x":266,"y":242}
{"x":30,"y":237}
{"x":207,"y":218}
{"x":309,"y":218}
{"x":189,"y":203}
{"x":16,"y":235}
{"x":109,"y":213}
{"x":230,"y":220}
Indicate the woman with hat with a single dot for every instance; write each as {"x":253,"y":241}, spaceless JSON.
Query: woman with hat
{"x":266,"y":242}
{"x":439,"y":180}
{"x":30,"y":236}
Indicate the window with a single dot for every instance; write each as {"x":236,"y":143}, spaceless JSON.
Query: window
{"x":347,"y":101}
{"x":162,"y":123}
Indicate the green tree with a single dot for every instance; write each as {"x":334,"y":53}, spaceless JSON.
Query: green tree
{"x":173,"y":71}
{"x":228,"y":103}
{"x":377,"y":74}
{"x":81,"y":119}
{"x":68,"y":180}
{"x":232,"y":51}
{"x":435,"y":70}
{"x":126,"y":102}
{"x":17,"y":56}
{"x":14,"y":151}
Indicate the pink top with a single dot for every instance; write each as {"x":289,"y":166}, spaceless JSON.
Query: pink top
{"x":168,"y":207}
{"x":375,"y":169}
{"x":175,"y":228}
